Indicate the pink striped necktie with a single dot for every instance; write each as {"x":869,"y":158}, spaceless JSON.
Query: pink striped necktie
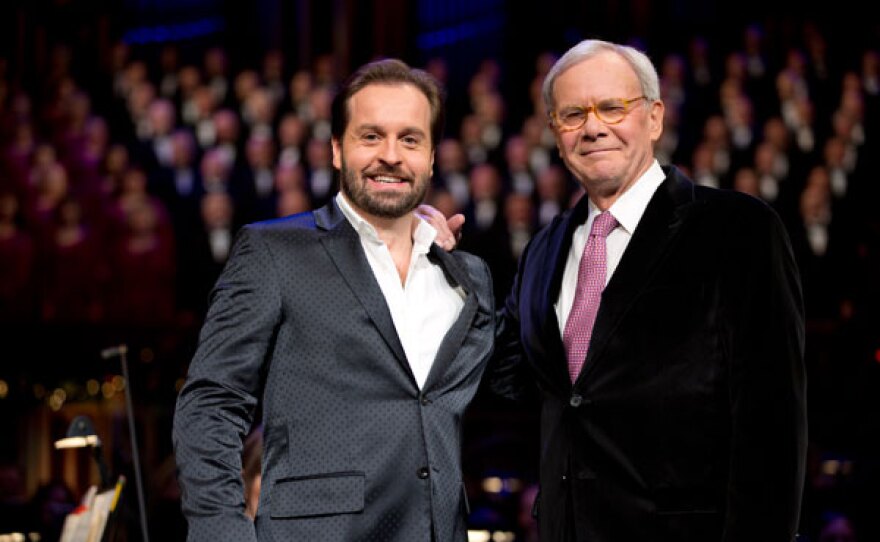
{"x":590,"y":283}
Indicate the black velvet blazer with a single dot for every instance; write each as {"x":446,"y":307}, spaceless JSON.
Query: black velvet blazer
{"x":688,"y":420}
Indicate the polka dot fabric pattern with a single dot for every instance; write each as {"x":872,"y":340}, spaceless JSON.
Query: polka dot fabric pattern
{"x":353,"y":449}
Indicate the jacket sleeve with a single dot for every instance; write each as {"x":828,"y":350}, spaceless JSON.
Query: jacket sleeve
{"x":508,"y":375}
{"x":216,"y":405}
{"x":765,"y":347}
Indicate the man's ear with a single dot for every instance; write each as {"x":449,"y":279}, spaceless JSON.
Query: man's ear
{"x":337,"y":153}
{"x":655,"y":119}
{"x":555,"y":138}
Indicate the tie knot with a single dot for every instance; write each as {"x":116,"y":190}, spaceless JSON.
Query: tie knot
{"x":603,"y":225}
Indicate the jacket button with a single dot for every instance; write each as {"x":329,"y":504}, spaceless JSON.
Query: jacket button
{"x":423,"y":473}
{"x":575,"y":400}
{"x":425,"y":401}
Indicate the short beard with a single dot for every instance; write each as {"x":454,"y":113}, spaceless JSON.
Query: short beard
{"x":382,"y":204}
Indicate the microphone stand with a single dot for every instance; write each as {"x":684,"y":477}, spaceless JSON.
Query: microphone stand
{"x":120,"y":352}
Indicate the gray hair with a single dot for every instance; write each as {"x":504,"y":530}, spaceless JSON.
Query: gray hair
{"x":639,"y":61}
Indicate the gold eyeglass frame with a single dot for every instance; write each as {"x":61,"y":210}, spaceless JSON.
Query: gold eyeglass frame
{"x":592,"y":107}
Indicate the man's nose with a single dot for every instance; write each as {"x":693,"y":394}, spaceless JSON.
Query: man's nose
{"x":389,"y":153}
{"x":593,"y":125}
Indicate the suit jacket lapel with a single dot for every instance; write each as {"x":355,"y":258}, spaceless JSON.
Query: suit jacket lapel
{"x":344,"y":247}
{"x":451,"y":344}
{"x":557,"y":252}
{"x":658,"y":227}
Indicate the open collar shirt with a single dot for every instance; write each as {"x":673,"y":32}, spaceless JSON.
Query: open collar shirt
{"x":425,"y":306}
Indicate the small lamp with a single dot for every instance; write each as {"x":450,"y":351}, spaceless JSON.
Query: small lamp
{"x":81,"y":434}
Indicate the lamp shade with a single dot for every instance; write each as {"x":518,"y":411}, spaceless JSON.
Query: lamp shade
{"x":80,"y":434}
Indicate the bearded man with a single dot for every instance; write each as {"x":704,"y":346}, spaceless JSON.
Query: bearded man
{"x":359,"y":338}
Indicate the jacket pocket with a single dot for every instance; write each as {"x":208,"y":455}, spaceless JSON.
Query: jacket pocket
{"x":318,"y":495}
{"x":684,"y":502}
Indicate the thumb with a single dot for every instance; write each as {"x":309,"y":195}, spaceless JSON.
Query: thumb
{"x":455,"y":223}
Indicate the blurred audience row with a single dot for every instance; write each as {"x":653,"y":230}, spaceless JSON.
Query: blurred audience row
{"x":123,"y":209}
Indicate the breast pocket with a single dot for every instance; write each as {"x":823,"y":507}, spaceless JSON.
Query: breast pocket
{"x":670,"y":316}
{"x":318,"y":495}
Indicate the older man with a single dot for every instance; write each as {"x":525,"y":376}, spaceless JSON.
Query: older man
{"x":663,"y":324}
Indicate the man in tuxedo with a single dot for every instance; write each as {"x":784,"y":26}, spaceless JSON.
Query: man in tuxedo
{"x":361,"y":341}
{"x":667,"y":348}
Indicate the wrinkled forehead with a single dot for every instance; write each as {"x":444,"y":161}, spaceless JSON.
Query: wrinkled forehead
{"x":599,"y":77}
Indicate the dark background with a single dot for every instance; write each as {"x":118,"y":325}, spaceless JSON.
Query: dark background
{"x":39,"y":357}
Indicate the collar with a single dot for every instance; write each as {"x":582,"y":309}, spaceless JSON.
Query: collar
{"x":631,"y":205}
{"x":423,"y":235}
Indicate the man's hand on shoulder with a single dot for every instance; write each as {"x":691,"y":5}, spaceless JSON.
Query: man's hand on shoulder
{"x":448,"y":229}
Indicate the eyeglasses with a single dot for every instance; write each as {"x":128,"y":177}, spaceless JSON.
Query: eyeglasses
{"x":611,"y":111}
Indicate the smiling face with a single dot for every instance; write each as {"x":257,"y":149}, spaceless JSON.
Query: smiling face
{"x":385,"y":155}
{"x":606,"y":159}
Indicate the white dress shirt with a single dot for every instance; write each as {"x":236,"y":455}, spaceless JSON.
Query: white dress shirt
{"x":425,"y":307}
{"x":628,"y":210}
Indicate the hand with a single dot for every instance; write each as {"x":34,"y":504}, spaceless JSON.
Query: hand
{"x":448,"y":229}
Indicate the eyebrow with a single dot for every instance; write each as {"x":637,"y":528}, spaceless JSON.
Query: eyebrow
{"x":379,"y":128}
{"x":590,"y":102}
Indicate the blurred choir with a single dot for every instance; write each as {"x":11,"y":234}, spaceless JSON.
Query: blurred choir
{"x":120,"y":195}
